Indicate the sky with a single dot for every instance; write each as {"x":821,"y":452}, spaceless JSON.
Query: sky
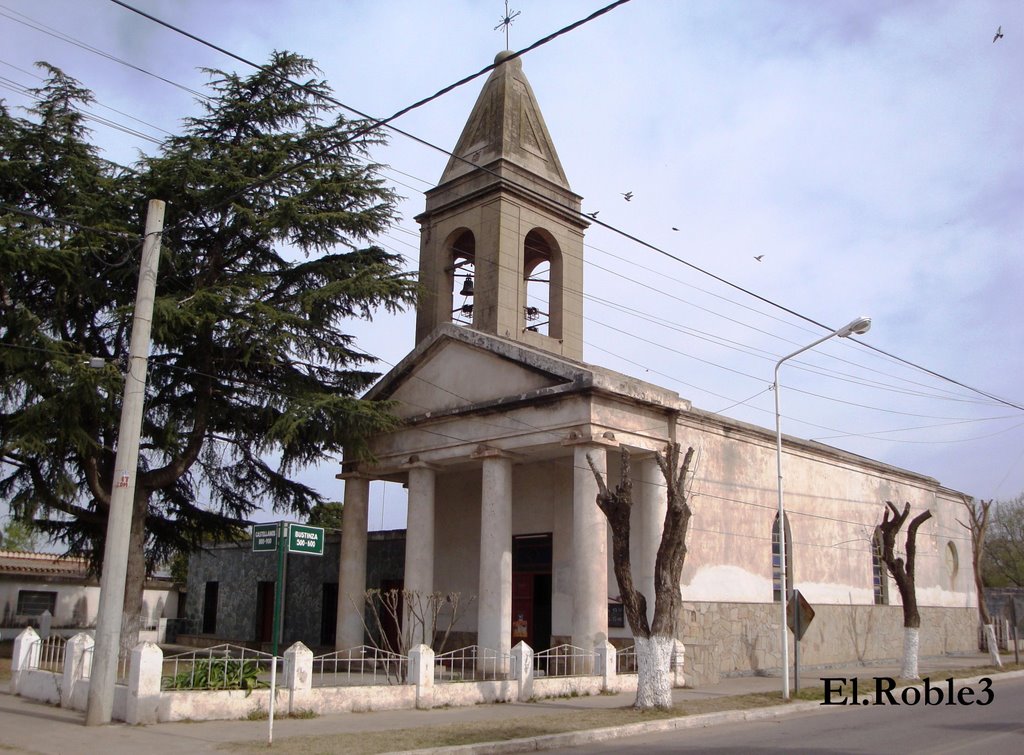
{"x":789,"y":162}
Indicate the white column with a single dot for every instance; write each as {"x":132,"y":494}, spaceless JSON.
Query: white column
{"x":352,"y":564}
{"x":589,"y":550}
{"x":651,"y":495}
{"x":419,"y":538}
{"x":494,"y":600}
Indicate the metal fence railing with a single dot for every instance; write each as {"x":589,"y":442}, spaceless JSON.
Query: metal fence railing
{"x":360,"y":665}
{"x":564,"y":660}
{"x":471,"y":664}
{"x":124,"y":659}
{"x":625,"y":660}
{"x":217,"y":668}
{"x":50,"y":654}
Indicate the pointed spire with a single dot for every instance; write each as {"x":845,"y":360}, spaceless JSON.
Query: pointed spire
{"x":506,"y":125}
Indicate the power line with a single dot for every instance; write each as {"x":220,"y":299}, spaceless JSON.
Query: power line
{"x":41,"y":27}
{"x":598,"y":222}
{"x":375,"y":123}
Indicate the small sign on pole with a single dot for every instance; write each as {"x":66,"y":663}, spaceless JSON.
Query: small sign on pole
{"x":799,"y":615}
{"x":305,"y":539}
{"x":264,"y":537}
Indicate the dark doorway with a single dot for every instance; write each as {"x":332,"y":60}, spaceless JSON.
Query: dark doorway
{"x":210,"y":608}
{"x":329,"y":614}
{"x":531,"y":590}
{"x":265,"y":611}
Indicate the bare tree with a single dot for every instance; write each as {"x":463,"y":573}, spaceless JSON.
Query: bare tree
{"x":413,"y":617}
{"x":978,"y":512}
{"x":1004,"y":552}
{"x":655,"y":640}
{"x":902,"y":572}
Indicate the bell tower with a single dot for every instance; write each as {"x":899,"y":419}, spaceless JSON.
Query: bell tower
{"x":501,"y":238}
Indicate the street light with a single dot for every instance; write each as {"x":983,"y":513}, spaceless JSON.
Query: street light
{"x":858,"y":326}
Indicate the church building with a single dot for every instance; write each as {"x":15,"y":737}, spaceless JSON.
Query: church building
{"x":500,"y":414}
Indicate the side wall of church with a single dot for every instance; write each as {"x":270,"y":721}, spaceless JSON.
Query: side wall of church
{"x":833,"y":505}
{"x":738,"y":638}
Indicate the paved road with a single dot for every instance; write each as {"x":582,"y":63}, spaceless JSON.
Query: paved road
{"x":994,"y":728}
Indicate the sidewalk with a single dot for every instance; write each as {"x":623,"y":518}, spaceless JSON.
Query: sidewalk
{"x":27,"y":726}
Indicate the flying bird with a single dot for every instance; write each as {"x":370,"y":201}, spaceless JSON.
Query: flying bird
{"x":674,"y":228}
{"x":759,"y":257}
{"x":999,"y":34}
{"x":628,"y":195}
{"x":592,"y":214}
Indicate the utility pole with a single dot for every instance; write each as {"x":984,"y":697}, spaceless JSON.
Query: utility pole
{"x":122,"y":492}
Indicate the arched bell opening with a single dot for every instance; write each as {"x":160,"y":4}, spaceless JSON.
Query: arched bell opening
{"x":542,"y":284}
{"x":461,"y":272}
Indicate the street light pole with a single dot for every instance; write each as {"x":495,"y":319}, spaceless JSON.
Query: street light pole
{"x":859,"y":326}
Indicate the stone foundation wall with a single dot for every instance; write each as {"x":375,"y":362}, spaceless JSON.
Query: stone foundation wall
{"x":737,"y":638}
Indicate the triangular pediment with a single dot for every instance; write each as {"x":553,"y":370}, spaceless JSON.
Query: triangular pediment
{"x":457,"y":376}
{"x":458,"y":368}
{"x":453,"y":374}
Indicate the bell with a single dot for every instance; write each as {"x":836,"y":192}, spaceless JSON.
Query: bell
{"x":467,"y":286}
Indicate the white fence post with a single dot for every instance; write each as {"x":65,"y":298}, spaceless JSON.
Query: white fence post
{"x":144,"y":672}
{"x":45,"y":622}
{"x":298,"y":671}
{"x":678,"y":659}
{"x":298,"y":667}
{"x":522,"y":670}
{"x":25,"y":655}
{"x":77,"y":665}
{"x":421,"y":673}
{"x":605,"y":653}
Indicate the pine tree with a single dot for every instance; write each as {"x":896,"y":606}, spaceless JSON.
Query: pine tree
{"x":265,"y":254}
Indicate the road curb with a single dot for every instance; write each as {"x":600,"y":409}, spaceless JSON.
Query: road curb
{"x":696,"y":721}
{"x":589,"y":736}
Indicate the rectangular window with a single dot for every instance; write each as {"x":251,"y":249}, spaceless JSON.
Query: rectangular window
{"x":879,"y":581}
{"x":210,"y":608}
{"x":35,"y":602}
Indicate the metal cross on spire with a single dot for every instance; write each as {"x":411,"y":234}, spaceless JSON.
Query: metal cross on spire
{"x":506,"y":21}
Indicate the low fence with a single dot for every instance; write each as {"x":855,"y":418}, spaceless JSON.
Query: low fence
{"x":229,"y":681}
{"x":1005,"y":636}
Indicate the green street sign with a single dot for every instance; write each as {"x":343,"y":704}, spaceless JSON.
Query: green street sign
{"x":305,"y":539}
{"x":264,"y":537}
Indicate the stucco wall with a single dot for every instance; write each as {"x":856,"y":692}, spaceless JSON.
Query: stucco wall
{"x":744,"y":637}
{"x":239,"y":570}
{"x":77,"y":604}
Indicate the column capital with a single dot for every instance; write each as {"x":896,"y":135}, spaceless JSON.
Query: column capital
{"x":588,"y":437}
{"x":354,"y":474}
{"x":414,"y":462}
{"x":486,"y":452}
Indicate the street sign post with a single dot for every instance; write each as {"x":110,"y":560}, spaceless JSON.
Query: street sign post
{"x":283,"y":538}
{"x":264,"y":538}
{"x":799,"y":616}
{"x":305,"y":539}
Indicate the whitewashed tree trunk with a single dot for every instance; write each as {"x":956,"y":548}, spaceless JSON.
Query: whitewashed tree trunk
{"x":911,"y":645}
{"x":654,"y":679}
{"x":993,"y":645}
